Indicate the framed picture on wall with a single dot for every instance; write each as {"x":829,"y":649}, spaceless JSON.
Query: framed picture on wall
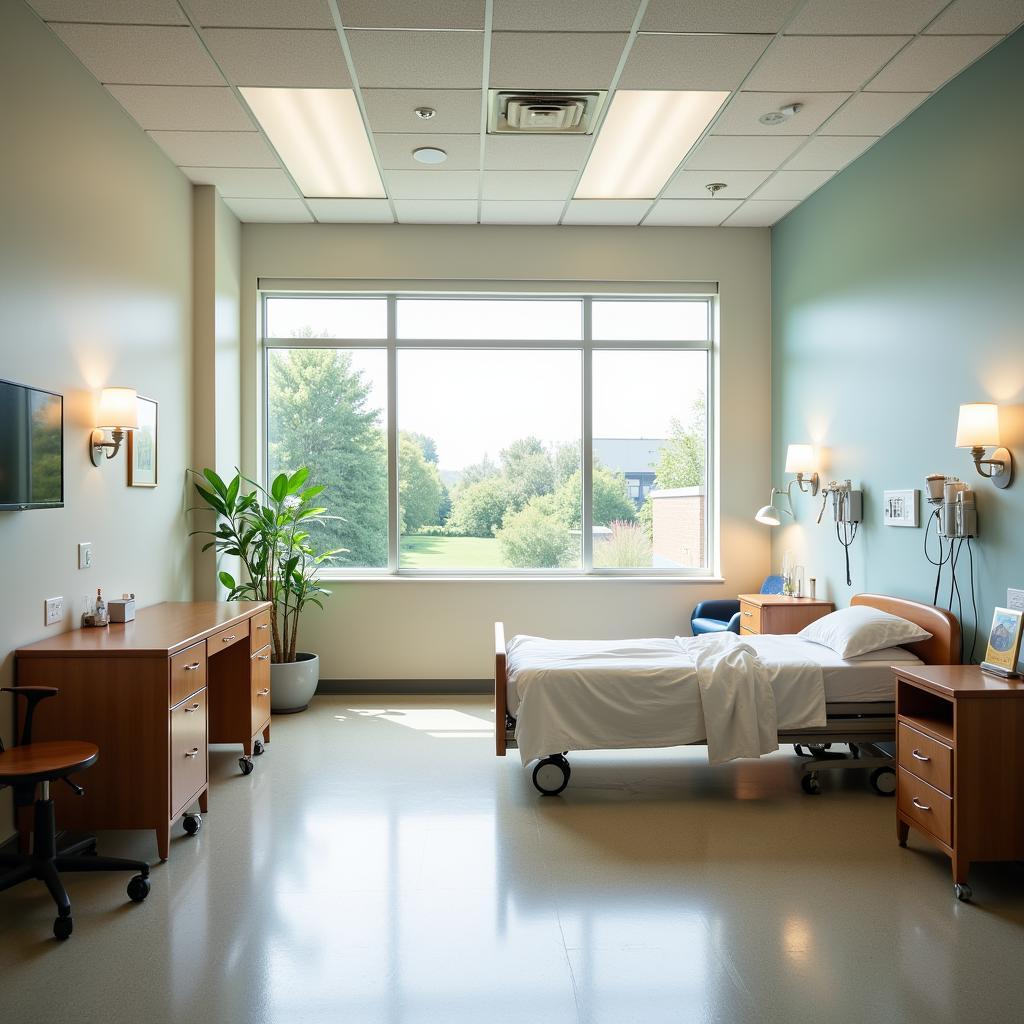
{"x":142,"y":446}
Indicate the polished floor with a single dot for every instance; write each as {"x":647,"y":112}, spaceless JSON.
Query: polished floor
{"x":381,"y":865}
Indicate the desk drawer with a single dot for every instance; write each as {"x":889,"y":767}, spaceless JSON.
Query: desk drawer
{"x":925,"y":805}
{"x":188,"y":672}
{"x":227,"y":637}
{"x":259,"y":677}
{"x":188,"y":751}
{"x":259,"y":636}
{"x":750,"y":617}
{"x":926,"y":758}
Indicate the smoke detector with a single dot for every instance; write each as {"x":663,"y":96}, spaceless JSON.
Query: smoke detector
{"x":543,"y":113}
{"x":782,"y":114}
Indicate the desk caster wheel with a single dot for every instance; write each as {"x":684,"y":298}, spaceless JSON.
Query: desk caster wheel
{"x":139,"y":888}
{"x":62,"y":928}
{"x":245,"y":763}
{"x":258,"y":748}
{"x":551,"y":775}
{"x":883,"y":781}
{"x":810,"y":785}
{"x":962,"y":891}
{"x":193,"y":823}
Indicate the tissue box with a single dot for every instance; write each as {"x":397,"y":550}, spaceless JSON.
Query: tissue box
{"x":121,"y":609}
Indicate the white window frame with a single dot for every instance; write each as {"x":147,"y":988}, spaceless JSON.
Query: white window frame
{"x":586,"y":346}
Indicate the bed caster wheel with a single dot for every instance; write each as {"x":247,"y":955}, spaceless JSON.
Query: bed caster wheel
{"x":63,"y":927}
{"x":192,"y":823}
{"x":258,"y":748}
{"x":139,"y":888}
{"x":883,"y":781}
{"x":245,"y":763}
{"x":551,"y":775}
{"x":810,"y":785}
{"x":962,"y":891}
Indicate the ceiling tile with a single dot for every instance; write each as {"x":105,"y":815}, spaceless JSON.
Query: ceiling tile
{"x":433,"y":211}
{"x":413,"y":60}
{"x":742,"y":152}
{"x":351,"y":211}
{"x":216,"y":149}
{"x":829,"y":152}
{"x":606,"y":211}
{"x":528,"y":184}
{"x":112,"y":12}
{"x":555,"y":60}
{"x":412,"y":14}
{"x":564,"y":15}
{"x":520,"y":212}
{"x":691,"y":62}
{"x":270,"y":211}
{"x":793,"y":184}
{"x":244,"y":182}
{"x":391,"y":110}
{"x":822,"y":63}
{"x":180,"y":108}
{"x":691,"y":212}
{"x":261,"y":13}
{"x":930,"y":61}
{"x":280,"y":58}
{"x":693,"y":184}
{"x":396,"y":152}
{"x":756,"y":213}
{"x":140,"y":54}
{"x":740,"y":117}
{"x":865,"y":17}
{"x":968,"y":16}
{"x":525,"y":152}
{"x":716,"y":15}
{"x":873,"y":113}
{"x":432,"y":184}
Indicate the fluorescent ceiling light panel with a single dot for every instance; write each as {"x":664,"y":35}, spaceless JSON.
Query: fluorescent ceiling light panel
{"x":642,"y":141}
{"x":320,"y":136}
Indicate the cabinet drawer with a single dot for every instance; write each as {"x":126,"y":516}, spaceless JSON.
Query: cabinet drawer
{"x":227,"y":637}
{"x":259,"y":677}
{"x":926,"y":758}
{"x":259,"y":636}
{"x":750,"y":617}
{"x":188,"y":673}
{"x":925,"y":806}
{"x":188,"y":751}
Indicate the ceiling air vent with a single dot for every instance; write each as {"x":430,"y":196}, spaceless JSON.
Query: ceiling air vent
{"x":543,"y":113}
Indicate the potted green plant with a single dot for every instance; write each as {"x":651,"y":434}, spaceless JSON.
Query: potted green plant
{"x":268,"y":530}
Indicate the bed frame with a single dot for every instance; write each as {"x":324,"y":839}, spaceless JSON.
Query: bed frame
{"x":860,"y":725}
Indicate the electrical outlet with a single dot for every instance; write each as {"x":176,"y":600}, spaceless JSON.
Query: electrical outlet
{"x":85,"y":555}
{"x":54,"y":609}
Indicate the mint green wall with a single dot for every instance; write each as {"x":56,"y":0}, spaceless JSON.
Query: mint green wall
{"x":897,"y":294}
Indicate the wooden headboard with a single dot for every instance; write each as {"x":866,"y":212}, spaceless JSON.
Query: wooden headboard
{"x":944,"y":646}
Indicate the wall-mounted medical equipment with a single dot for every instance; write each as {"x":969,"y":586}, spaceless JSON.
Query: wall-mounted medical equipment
{"x":977,"y":428}
{"x":847,"y":511}
{"x":800,"y":460}
{"x":900,"y":508}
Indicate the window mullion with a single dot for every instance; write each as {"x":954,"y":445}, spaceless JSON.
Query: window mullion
{"x":394,"y":510}
{"x":587,"y":454}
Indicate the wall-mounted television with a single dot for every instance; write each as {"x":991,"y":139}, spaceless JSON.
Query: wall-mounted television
{"x":31,"y":448}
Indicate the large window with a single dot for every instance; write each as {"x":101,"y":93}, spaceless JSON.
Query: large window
{"x":497,"y":435}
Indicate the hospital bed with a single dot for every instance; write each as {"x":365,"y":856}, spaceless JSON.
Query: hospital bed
{"x":859,"y":697}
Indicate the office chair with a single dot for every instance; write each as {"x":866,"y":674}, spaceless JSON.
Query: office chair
{"x":29,"y":765}
{"x":724,"y":616}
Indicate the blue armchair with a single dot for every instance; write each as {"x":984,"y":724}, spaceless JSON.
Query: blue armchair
{"x":722,"y":616}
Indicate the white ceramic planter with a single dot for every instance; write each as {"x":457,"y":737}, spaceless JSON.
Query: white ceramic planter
{"x":293,"y":683}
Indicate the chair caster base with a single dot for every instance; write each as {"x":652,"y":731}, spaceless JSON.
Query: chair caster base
{"x":962,"y":891}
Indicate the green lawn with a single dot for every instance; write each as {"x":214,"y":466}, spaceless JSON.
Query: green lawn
{"x":450,"y":553}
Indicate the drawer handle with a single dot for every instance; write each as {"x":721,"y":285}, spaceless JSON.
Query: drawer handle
{"x":228,"y":639}
{"x":194,"y":667}
{"x":263,"y":657}
{"x":918,"y":756}
{"x":263,"y":625}
{"x":748,"y":614}
{"x":263,"y":693}
{"x":195,"y":707}
{"x":920,"y":806}
{"x":194,"y":752}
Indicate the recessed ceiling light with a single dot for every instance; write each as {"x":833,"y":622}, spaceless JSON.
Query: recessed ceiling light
{"x":319,"y":134}
{"x":781,"y":115}
{"x":429,"y":155}
{"x":643,"y":139}
{"x":424,"y":113}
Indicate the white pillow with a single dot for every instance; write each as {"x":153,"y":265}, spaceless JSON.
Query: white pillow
{"x":860,"y":630}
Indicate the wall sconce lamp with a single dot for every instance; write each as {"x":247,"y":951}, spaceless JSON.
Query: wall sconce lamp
{"x":800,"y":460}
{"x":119,"y":412}
{"x":977,"y":428}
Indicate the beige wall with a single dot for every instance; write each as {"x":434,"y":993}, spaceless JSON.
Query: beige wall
{"x":95,"y":289}
{"x":440,"y":629}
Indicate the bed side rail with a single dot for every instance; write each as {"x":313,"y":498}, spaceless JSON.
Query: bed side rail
{"x":500,"y":689}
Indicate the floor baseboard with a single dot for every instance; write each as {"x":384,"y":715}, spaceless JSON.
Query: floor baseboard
{"x":407,"y":686}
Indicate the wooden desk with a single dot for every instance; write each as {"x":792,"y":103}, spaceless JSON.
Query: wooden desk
{"x":775,"y":613}
{"x":152,"y":694}
{"x":960,"y":757}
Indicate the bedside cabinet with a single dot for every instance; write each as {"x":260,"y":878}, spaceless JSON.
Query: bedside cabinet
{"x":773,"y":613}
{"x":960,"y":764}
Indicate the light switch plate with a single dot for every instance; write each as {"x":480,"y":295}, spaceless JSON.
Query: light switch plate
{"x":900,"y":508}
{"x":54,"y":610}
{"x":85,"y":555}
